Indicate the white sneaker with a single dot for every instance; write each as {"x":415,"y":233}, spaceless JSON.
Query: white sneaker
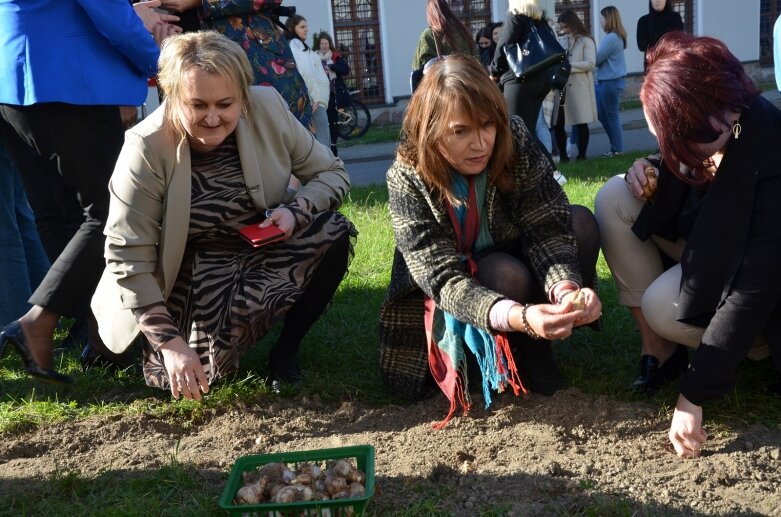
{"x":559,"y":177}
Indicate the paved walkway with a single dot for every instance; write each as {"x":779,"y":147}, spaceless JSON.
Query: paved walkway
{"x":368,"y":163}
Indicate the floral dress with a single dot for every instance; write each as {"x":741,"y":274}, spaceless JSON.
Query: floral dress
{"x":249,"y":23}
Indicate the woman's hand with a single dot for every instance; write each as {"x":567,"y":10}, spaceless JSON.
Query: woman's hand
{"x":686,"y":432}
{"x":282,"y":218}
{"x":185,"y":373}
{"x":635,"y":178}
{"x":150,"y":17}
{"x":593,"y":307}
{"x":180,"y":5}
{"x":547,"y":320}
{"x":163,"y":30}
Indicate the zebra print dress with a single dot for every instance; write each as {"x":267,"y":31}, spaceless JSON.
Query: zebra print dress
{"x":228,"y":294}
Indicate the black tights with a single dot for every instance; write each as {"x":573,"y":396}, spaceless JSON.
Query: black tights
{"x":560,"y":132}
{"x":508,"y":273}
{"x":308,"y":308}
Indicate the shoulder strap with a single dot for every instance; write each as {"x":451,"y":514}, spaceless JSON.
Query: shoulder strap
{"x":436,"y":43}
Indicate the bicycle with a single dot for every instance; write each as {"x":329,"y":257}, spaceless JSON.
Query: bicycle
{"x":354,"y":120}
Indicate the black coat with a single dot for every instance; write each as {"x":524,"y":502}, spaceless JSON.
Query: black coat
{"x":731,"y":276}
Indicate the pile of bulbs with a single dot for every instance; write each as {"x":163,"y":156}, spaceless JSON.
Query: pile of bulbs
{"x":276,"y":483}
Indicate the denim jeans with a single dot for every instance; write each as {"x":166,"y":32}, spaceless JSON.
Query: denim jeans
{"x":543,"y":133}
{"x":23,"y":263}
{"x":608,"y":98}
{"x":322,"y":132}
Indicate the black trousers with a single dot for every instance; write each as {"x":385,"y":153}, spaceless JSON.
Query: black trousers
{"x":524,"y":98}
{"x":65,"y":155}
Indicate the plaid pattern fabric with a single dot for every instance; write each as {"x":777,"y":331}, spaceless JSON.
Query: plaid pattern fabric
{"x":536,"y":213}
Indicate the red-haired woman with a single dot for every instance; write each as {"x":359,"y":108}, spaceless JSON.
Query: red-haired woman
{"x":715,"y":213}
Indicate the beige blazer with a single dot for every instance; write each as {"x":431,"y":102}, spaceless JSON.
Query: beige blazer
{"x":149,"y":214}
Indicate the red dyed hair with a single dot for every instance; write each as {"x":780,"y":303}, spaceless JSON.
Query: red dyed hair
{"x":688,"y":79}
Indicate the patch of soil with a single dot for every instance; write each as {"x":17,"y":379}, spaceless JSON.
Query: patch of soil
{"x":570,"y":453}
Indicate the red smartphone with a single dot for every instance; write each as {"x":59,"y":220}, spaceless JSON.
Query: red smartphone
{"x":258,"y":236}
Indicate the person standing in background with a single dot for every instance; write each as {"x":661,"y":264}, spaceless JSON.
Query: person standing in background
{"x":46,"y":94}
{"x":23,"y":263}
{"x":336,"y":67}
{"x":660,"y":20}
{"x":252,"y":24}
{"x":580,"y":108}
{"x":485,"y":45}
{"x":524,"y":96}
{"x":311,"y":69}
{"x":611,"y":71}
{"x":445,"y":34}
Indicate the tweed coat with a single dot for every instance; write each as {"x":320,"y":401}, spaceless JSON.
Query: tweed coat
{"x":580,"y":105}
{"x":535,"y":212}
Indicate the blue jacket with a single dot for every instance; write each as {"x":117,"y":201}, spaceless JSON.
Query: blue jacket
{"x":87,"y":52}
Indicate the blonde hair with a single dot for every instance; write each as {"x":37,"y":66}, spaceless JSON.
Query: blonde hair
{"x":209,"y":51}
{"x":613,"y":22}
{"x":530,"y":8}
{"x":454,"y":82}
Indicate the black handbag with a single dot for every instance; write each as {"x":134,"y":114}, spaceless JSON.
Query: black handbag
{"x":559,"y":74}
{"x":538,"y":52}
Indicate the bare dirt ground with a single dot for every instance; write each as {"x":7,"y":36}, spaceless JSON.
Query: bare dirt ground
{"x":567,"y":454}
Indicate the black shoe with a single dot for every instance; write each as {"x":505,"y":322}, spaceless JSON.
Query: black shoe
{"x":536,"y":366}
{"x":90,"y":357}
{"x":654,"y":376}
{"x":14,"y":335}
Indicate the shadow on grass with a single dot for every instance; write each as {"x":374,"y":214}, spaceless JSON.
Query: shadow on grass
{"x":181,"y":489}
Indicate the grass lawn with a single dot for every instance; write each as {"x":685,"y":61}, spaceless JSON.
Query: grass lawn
{"x":601,"y":363}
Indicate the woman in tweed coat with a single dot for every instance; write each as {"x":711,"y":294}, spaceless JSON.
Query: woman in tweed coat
{"x":540,"y":249}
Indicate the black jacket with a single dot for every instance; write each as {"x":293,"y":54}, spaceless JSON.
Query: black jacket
{"x":516,"y":29}
{"x":653,"y":26}
{"x":731,"y":273}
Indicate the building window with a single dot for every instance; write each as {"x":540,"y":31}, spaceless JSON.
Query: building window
{"x":475,"y":14}
{"x":769,"y":11}
{"x":357,"y":37}
{"x":686,"y":10}
{"x":581,"y":7}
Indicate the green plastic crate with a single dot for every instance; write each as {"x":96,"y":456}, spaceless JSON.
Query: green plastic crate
{"x":362,"y":455}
